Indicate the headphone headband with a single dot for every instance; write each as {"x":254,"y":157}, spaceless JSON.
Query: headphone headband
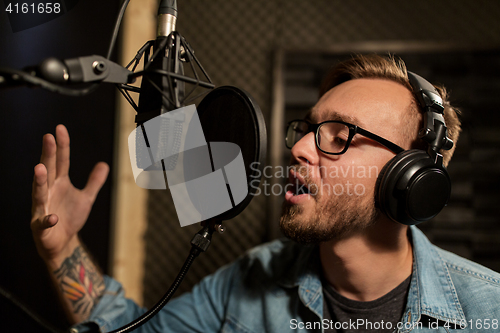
{"x":434,"y":132}
{"x":427,"y":95}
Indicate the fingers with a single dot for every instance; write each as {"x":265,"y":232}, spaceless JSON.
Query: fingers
{"x":96,"y":179}
{"x":40,"y":191}
{"x":40,"y":197}
{"x":55,"y":154}
{"x":48,"y":157}
{"x":62,"y":153}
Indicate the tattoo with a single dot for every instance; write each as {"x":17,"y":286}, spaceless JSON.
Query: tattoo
{"x":80,"y":282}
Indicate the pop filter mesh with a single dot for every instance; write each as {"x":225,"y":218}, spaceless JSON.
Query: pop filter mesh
{"x":229,"y":114}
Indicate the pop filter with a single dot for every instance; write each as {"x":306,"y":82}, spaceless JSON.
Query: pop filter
{"x":213,"y":165}
{"x":229,"y":114}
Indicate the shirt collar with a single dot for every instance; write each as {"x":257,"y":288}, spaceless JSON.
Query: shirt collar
{"x":431,"y":292}
{"x":305,"y":270}
{"x":305,"y":274}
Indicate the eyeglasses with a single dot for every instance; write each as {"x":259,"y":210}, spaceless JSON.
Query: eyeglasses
{"x":332,"y":137}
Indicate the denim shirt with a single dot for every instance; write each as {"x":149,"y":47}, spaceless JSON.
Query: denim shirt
{"x":277,"y":288}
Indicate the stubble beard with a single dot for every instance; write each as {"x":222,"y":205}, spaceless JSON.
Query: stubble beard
{"x":336,"y":218}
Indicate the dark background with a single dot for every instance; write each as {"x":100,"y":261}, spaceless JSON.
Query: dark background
{"x":26,"y":115}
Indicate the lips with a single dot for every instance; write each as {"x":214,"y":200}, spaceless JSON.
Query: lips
{"x":298,"y":188}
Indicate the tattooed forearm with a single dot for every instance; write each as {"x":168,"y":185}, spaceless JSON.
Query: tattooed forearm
{"x":80,"y":282}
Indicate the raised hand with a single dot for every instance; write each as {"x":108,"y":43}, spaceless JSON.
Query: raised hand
{"x":59,"y":209}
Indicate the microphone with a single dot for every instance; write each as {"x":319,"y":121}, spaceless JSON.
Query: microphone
{"x":161,"y":94}
{"x":167,"y":59}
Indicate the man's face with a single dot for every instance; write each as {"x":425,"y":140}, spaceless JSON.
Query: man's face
{"x":340,"y":201}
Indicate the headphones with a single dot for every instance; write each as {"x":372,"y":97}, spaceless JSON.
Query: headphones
{"x":414,"y":186}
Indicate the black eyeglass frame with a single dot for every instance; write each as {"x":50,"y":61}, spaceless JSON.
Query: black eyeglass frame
{"x":353,"y":130}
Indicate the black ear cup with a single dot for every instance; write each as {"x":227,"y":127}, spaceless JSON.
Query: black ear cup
{"x":411,"y":188}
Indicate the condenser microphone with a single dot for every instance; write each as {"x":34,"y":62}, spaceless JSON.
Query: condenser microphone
{"x":161,"y":94}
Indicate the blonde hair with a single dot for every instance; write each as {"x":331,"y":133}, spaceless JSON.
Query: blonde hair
{"x":394,"y":69}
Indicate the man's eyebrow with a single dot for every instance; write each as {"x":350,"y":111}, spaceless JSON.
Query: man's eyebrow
{"x":346,"y":118}
{"x":334,"y":115}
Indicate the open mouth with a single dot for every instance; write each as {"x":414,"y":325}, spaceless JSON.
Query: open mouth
{"x":299,"y":186}
{"x":299,"y":189}
{"x":298,"y":192}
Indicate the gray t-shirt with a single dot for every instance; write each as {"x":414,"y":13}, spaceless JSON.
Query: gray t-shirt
{"x":341,"y":314}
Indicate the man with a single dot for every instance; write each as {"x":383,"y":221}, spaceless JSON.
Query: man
{"x":348,"y":268}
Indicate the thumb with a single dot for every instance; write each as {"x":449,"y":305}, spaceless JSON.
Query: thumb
{"x":96,"y":179}
{"x":45,"y":222}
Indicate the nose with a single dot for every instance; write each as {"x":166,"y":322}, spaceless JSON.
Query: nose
{"x":305,"y":151}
